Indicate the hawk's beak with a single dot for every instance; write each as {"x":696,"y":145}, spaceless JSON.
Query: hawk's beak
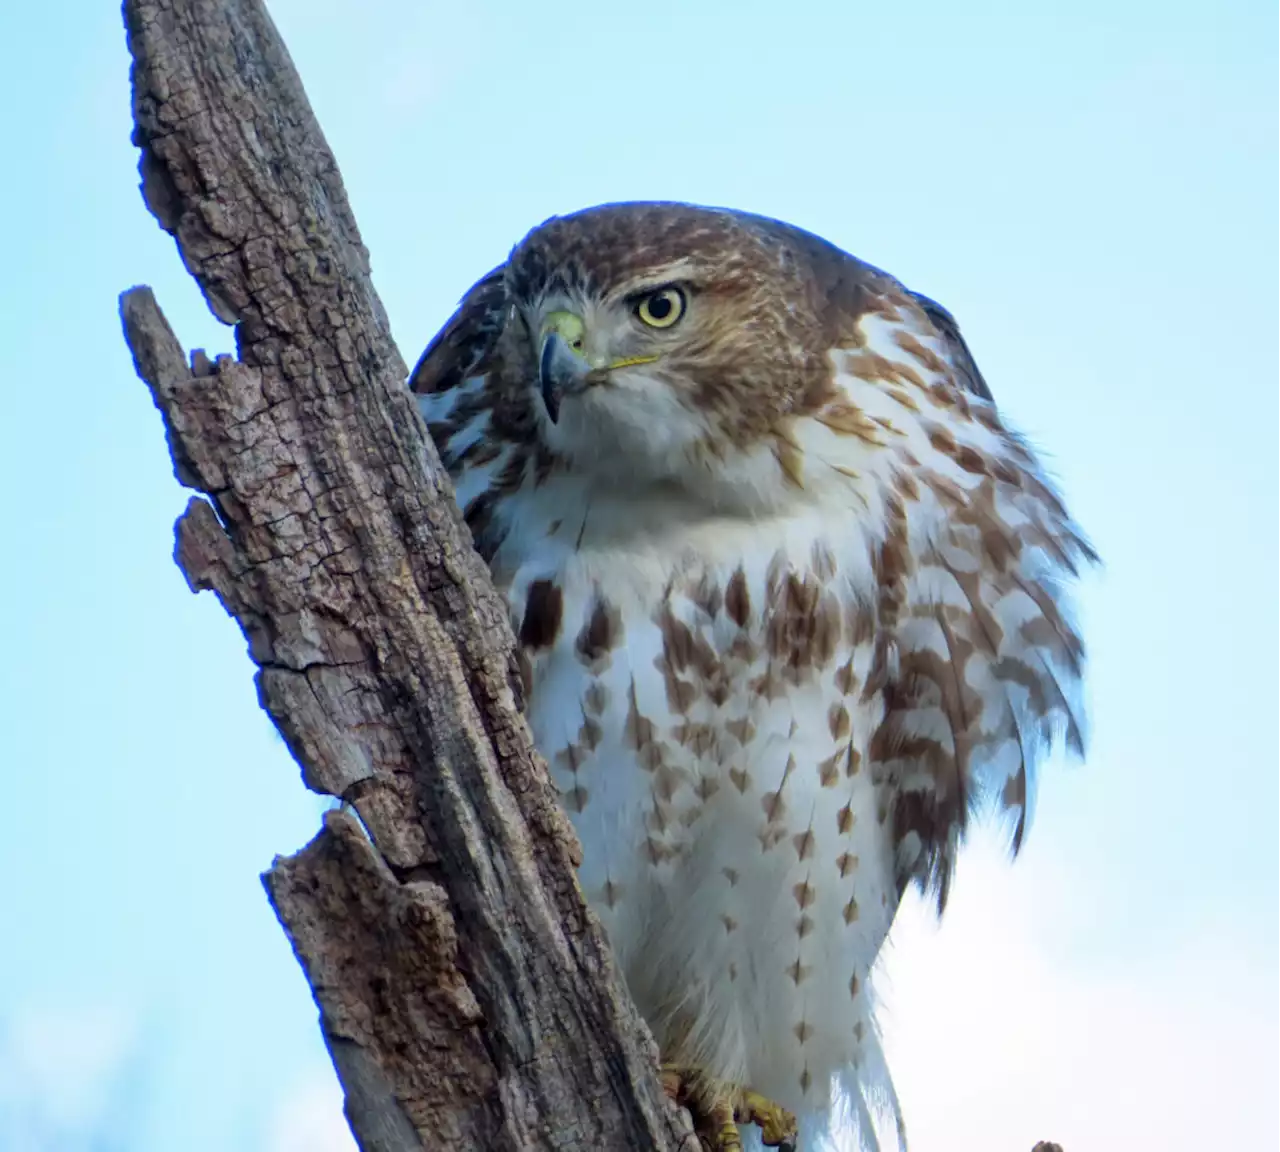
{"x":562,"y":361}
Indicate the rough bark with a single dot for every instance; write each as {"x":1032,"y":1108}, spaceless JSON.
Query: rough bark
{"x":465,"y":992}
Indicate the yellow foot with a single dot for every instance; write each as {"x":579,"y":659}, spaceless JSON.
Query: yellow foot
{"x":777,"y":1125}
{"x":719,"y":1108}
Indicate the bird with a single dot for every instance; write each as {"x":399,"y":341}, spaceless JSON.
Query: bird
{"x":792,"y":605}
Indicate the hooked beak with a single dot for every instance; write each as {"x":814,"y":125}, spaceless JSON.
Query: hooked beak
{"x":562,"y":361}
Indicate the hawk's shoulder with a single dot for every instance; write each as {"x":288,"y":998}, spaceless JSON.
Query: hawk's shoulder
{"x":463,"y":346}
{"x":961,"y":359}
{"x":846,"y":289}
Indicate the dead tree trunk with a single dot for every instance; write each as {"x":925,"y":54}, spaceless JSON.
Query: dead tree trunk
{"x":465,"y":993}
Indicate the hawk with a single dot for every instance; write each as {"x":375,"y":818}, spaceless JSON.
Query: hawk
{"x":791,"y":605}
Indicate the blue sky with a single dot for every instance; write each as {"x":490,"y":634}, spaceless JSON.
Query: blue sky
{"x":1092,"y":189}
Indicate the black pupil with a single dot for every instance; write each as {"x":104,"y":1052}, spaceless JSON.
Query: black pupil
{"x":660,"y":306}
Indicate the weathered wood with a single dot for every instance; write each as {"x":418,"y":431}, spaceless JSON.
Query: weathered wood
{"x":464,"y":990}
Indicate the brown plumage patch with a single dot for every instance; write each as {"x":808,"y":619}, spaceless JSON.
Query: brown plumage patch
{"x":596,"y":698}
{"x":706,"y":787}
{"x":930,"y":359}
{"x":570,"y":758}
{"x":642,"y":735}
{"x":803,"y":625}
{"x":700,"y":738}
{"x":1051,"y":630}
{"x":481,"y":515}
{"x":668,"y":779}
{"x":680,"y":693}
{"x":774,"y":803}
{"x":859,"y":624}
{"x":892,"y":562}
{"x":658,"y":851}
{"x":600,"y":636}
{"x":950,"y":494}
{"x":590,"y":733}
{"x":972,"y":461}
{"x":543,"y":612}
{"x":685,"y":650}
{"x":846,"y":678}
{"x":770,"y":684}
{"x":708,"y":596}
{"x":873,"y":367}
{"x":804,"y":844}
{"x":846,"y":758}
{"x":737,"y":599}
{"x":1014,"y":795}
{"x":846,"y":420}
{"x":907,"y":487}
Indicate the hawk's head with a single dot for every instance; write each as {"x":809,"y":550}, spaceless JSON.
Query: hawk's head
{"x":669,"y":343}
{"x":662,"y":339}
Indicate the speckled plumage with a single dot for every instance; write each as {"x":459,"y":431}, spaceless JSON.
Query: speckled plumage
{"x":791,"y":604}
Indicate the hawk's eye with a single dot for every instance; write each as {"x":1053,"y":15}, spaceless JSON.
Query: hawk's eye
{"x":662,"y":308}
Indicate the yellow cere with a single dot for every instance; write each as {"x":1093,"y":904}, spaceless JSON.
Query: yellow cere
{"x":568,"y":326}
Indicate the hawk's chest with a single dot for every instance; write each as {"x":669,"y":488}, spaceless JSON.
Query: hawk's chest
{"x":696,"y":691}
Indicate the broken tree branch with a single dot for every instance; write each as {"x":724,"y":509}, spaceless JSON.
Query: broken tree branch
{"x":465,"y":992}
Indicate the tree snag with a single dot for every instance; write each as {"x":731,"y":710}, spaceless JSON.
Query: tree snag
{"x":465,"y":992}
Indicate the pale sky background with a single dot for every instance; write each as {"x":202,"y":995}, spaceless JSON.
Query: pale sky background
{"x":1091,"y":187}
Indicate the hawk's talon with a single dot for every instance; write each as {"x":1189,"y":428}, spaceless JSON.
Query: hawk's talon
{"x":719,"y":1108}
{"x":777,"y":1126}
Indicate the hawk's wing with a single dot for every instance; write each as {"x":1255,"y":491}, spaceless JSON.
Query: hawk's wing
{"x":961,"y":359}
{"x":462,"y":346}
{"x":483,"y":431}
{"x":980,"y":664}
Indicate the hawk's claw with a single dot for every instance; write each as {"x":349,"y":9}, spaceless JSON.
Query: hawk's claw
{"x":718,"y":1109}
{"x":777,"y":1125}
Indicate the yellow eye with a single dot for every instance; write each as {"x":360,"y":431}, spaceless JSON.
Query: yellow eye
{"x":662,"y":308}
